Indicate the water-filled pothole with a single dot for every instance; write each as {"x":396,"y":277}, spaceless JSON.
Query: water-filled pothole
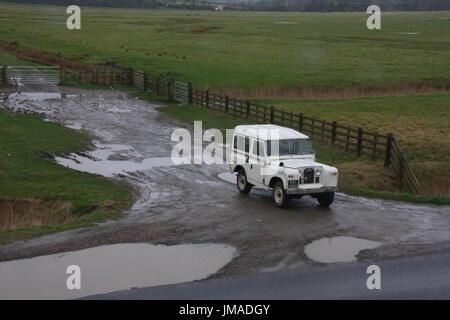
{"x":100,"y":161}
{"x":111,"y":268}
{"x":338,"y":249}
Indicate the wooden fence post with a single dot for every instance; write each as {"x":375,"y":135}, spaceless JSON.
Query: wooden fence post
{"x":401,"y":173}
{"x":359,"y":142}
{"x":61,"y":75}
{"x":4,"y":75}
{"x":169,"y":93}
{"x":388,"y":154}
{"x":157,"y":86}
{"x":375,"y":144}
{"x":333,"y":133}
{"x":129,"y":76}
{"x":96,"y":77}
{"x":144,"y":81}
{"x":189,"y":92}
{"x":272,"y":115}
{"x":226,"y":105}
{"x":247,"y":111}
{"x":300,"y":122}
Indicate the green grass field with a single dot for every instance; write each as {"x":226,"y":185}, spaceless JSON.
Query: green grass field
{"x":245,"y":49}
{"x":26,"y":173}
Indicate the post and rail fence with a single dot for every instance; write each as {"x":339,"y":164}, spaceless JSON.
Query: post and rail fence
{"x":356,"y":140}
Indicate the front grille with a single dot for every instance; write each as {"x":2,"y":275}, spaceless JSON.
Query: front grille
{"x":308,"y":175}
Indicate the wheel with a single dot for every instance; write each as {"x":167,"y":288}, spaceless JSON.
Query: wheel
{"x":325,"y":199}
{"x":242,"y":183}
{"x":279,"y":195}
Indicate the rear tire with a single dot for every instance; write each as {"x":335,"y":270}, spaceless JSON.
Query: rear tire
{"x":325,"y":199}
{"x":242,"y":183}
{"x":279,"y":195}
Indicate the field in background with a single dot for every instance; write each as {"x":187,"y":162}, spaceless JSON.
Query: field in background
{"x":245,"y":49}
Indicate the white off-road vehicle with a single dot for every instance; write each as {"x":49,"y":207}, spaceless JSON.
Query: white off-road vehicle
{"x":281,"y":159}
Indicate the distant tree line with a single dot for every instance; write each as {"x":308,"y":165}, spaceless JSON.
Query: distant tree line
{"x":349,"y":5}
{"x":96,"y":3}
{"x":269,"y":5}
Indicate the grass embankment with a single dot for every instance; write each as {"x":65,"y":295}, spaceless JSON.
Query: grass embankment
{"x":273,"y":51}
{"x":359,"y":176}
{"x":39,"y":196}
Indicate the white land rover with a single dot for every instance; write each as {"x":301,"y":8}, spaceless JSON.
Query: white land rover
{"x":282,"y":159}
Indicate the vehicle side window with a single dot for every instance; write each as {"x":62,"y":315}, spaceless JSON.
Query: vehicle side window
{"x":247,"y":144}
{"x":238,"y":143}
{"x":255,"y":148}
{"x":260,"y":149}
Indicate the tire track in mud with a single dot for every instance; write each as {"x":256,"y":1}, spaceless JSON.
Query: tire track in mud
{"x":190,"y":204}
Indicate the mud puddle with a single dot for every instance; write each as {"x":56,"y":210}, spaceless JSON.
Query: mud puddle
{"x":37,"y":96}
{"x":111,"y":268}
{"x":338,"y":249}
{"x":112,"y":159}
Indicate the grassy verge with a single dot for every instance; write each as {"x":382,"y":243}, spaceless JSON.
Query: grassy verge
{"x":359,"y":176}
{"x":27,"y":172}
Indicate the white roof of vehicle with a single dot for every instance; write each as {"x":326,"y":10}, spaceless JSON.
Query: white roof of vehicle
{"x":268,"y":132}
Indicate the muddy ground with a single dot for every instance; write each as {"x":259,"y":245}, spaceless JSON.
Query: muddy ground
{"x":190,"y":204}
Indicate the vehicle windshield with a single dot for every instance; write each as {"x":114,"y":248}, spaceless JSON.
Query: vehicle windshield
{"x":290,"y":147}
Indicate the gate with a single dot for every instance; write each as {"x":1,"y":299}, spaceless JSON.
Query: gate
{"x":181,"y":91}
{"x":138,"y":78}
{"x":32,"y":75}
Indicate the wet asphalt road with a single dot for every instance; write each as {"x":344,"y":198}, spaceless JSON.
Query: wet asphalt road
{"x":190,"y":204}
{"x":422,"y":277}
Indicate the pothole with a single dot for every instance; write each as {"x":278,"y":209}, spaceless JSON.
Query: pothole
{"x":107,"y":161}
{"x":338,"y":249}
{"x":111,"y":268}
{"x":37,"y":96}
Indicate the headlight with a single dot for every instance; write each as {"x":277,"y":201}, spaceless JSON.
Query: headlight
{"x":317,"y":173}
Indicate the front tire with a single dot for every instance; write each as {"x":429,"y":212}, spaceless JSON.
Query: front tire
{"x":242,"y":183}
{"x":279,"y":195}
{"x":325,"y":199}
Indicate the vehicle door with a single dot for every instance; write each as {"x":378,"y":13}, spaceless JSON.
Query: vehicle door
{"x":257,"y":160}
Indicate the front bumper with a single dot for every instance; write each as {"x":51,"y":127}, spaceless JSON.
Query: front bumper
{"x":311,"y":189}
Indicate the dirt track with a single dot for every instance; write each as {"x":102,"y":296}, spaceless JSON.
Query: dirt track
{"x":190,"y":204}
